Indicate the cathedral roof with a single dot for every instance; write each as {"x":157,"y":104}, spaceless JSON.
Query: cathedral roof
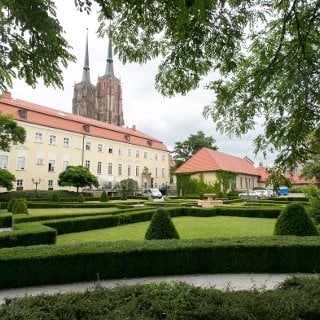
{"x":33,"y":113}
{"x":86,"y":67}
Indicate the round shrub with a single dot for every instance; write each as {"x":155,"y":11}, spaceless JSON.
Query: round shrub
{"x":161,"y":227}
{"x":55,"y":198}
{"x":81,"y":198}
{"x":124,"y":197}
{"x":294,"y":220}
{"x":21,"y":207}
{"x":11,"y":204}
{"x":104,"y":197}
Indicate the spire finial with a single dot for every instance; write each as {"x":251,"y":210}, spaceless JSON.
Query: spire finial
{"x":86,"y":68}
{"x":109,"y":67}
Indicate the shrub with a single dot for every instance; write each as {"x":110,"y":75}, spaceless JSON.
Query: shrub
{"x":104,"y":197}
{"x":81,"y":198}
{"x":11,"y":204}
{"x":55,"y":198}
{"x":161,"y":227}
{"x":20,"y":206}
{"x":294,"y":220}
{"x":124,"y":197}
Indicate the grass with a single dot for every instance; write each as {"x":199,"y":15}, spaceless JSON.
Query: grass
{"x":188,"y":228}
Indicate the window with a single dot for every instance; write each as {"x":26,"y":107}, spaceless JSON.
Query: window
{"x":51,"y":165}
{"x":145,"y":155}
{"x":109,"y":168}
{"x":99,"y":166}
{"x":129,"y":170}
{"x":120,"y":152}
{"x":64,"y":165}
{"x":156,"y":157}
{"x":99,"y":147}
{"x":163,"y":173}
{"x":120,"y":169}
{"x":38,"y":137}
{"x":110,"y":150}
{"x":241,"y":187}
{"x":87,"y":164}
{"x":156,"y":172}
{"x":137,"y":171}
{"x":50,"y":184}
{"x":52,"y":140}
{"x":66,"y":142}
{"x":88,"y":145}
{"x":40,"y":161}
{"x":129,"y":152}
{"x":21,"y":161}
{"x":3,"y":162}
{"x":163,"y":158}
{"x":19,"y":183}
{"x":137,"y":154}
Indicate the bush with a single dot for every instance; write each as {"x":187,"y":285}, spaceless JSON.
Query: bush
{"x":124,"y":197}
{"x":104,"y":197}
{"x":55,"y":198}
{"x":20,"y":206}
{"x":11,"y":204}
{"x":81,"y":198}
{"x":161,"y":227}
{"x":294,"y":220}
{"x":5,"y":220}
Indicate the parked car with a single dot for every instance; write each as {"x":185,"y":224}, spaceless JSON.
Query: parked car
{"x":153,"y":193}
{"x":250,"y":194}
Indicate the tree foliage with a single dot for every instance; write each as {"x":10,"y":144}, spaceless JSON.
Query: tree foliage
{"x":10,"y":132}
{"x":128,"y":186}
{"x":266,"y":53}
{"x":185,"y":149}
{"x":276,"y":179}
{"x":31,"y":43}
{"x":312,"y":168}
{"x":77,"y":176}
{"x":6,"y":179}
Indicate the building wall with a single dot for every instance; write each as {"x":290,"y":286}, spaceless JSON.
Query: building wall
{"x":47,"y":151}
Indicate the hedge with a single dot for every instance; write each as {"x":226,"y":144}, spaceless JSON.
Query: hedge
{"x":5,"y":220}
{"x":40,"y":265}
{"x":28,"y":235}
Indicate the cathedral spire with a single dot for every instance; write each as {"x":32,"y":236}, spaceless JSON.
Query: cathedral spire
{"x":86,"y":68}
{"x":109,"y":67}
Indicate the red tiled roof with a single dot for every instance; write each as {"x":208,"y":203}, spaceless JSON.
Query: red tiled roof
{"x":296,"y":178}
{"x":263,"y":174}
{"x":211,"y":160}
{"x":57,"y":119}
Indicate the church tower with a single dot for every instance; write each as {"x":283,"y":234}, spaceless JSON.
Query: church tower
{"x":84,"y":93}
{"x":101,"y":102}
{"x":109,"y":94}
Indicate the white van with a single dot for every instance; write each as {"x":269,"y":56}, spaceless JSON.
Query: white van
{"x":153,"y":193}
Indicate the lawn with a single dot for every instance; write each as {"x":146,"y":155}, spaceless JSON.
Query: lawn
{"x":188,"y":228}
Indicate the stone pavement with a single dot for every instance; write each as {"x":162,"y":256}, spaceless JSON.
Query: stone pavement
{"x":243,"y":281}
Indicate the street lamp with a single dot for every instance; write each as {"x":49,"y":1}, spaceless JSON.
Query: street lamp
{"x":36,"y":182}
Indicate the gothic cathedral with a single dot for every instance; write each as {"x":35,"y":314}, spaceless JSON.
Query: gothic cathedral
{"x":103,"y":101}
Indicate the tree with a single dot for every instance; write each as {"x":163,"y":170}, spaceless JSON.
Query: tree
{"x":184,"y":150}
{"x":276,"y":178}
{"x":6,"y":179}
{"x":78,"y":177}
{"x":128,"y":186}
{"x":266,"y":53}
{"x":312,"y":168}
{"x":31,"y":48}
{"x":10,"y":131}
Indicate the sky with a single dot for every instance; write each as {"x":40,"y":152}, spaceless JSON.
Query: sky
{"x":166,"y":119}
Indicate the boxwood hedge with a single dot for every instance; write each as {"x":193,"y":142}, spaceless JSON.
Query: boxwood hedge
{"x":53,"y":264}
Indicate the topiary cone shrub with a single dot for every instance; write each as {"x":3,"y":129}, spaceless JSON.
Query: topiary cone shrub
{"x":294,"y":220}
{"x":81,"y":198}
{"x":21,"y":207}
{"x":11,"y":204}
{"x":104,"y":197}
{"x":161,"y":227}
{"x":55,"y":198}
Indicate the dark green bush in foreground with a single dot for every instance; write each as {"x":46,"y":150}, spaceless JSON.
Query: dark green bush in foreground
{"x":104,"y":197}
{"x":294,"y":220}
{"x":20,"y":206}
{"x":161,"y":227}
{"x":11,"y":204}
{"x":178,"y":301}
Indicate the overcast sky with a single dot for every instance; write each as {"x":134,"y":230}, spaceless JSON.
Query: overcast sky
{"x":167,"y":119}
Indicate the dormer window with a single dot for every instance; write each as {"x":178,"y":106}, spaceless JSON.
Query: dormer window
{"x":23,"y":113}
{"x":86,"y":128}
{"x":127,"y":137}
{"x":150,"y":142}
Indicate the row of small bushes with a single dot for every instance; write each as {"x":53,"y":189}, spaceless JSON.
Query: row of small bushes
{"x":44,"y":194}
{"x":28,"y":235}
{"x":296,"y":298}
{"x":40,"y":265}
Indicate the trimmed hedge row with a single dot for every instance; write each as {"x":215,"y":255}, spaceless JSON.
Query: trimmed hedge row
{"x":30,"y":234}
{"x":39,"y":265}
{"x":5,"y":220}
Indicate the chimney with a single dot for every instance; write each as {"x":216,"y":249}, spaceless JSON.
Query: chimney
{"x":260,"y":164}
{"x":6,"y":95}
{"x":134,"y":127}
